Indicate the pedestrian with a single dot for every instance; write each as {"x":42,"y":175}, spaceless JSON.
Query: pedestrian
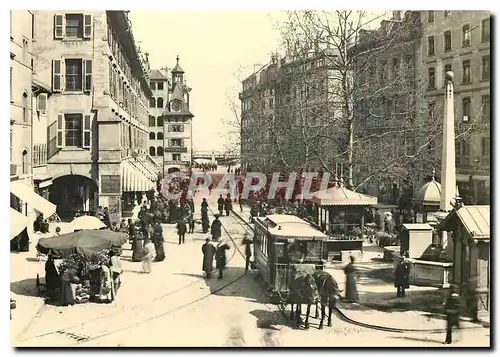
{"x":204,"y":203}
{"x":452,"y":306}
{"x":208,"y":250}
{"x":191,"y":223}
{"x":148,"y":255}
{"x":69,"y":279}
{"x":210,"y":187}
{"x":158,"y":239}
{"x":351,"y":291}
{"x":216,"y":229}
{"x":106,"y":288}
{"x":115,"y":268}
{"x":220,"y":257}
{"x":181,"y":230}
{"x":247,"y":241}
{"x":228,"y":204}
{"x":402,"y":277}
{"x":220,"y":205}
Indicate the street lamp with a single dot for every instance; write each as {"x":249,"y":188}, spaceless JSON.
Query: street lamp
{"x":471,"y":179}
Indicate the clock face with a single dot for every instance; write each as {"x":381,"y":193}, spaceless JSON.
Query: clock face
{"x":176,"y":105}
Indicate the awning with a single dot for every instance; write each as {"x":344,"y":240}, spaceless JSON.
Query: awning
{"x":133,"y":179}
{"x":26,"y":194}
{"x":341,"y":196}
{"x":45,"y":184}
{"x":42,"y":180}
{"x":17,"y":223}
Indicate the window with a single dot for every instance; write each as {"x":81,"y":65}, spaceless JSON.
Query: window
{"x":152,"y":121}
{"x":464,"y":153}
{"x":466,"y":35}
{"x":271,"y":103}
{"x":382,"y":70}
{"x":152,"y":85}
{"x":432,"y":78}
{"x":466,"y":71}
{"x":176,"y":157}
{"x":447,"y":41}
{"x":447,"y":13}
{"x":430,"y":16}
{"x":159,"y":102}
{"x":25,"y":51}
{"x":73,"y":75}
{"x":485,"y":147}
{"x":25,"y":108}
{"x":39,"y":154}
{"x":485,"y":68}
{"x":466,"y":108}
{"x":485,"y":107}
{"x":159,"y":121}
{"x":25,"y":167}
{"x":176,"y":142}
{"x":430,"y":45}
{"x":152,"y":102}
{"x":409,"y":62}
{"x":431,"y":107}
{"x":74,"y":130}
{"x":152,"y":151}
{"x":485,"y":30}
{"x":159,"y":85}
{"x":159,"y":151}
{"x":159,"y":136}
{"x":74,"y":26}
{"x":395,"y":66}
{"x":152,"y":136}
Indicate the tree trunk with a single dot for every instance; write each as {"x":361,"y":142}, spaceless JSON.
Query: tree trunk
{"x":350,"y":183}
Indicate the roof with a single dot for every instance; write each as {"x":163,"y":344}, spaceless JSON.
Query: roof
{"x":339,"y":195}
{"x":475,"y":219}
{"x":177,"y":68}
{"x":429,"y":194}
{"x":156,"y":74}
{"x":417,"y":226}
{"x":290,"y":227}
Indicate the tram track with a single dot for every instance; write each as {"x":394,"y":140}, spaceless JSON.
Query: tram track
{"x":80,"y":338}
{"x":340,"y":314}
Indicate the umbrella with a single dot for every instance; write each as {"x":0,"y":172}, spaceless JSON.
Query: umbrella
{"x":85,"y":242}
{"x":87,"y":222}
{"x":18,"y":222}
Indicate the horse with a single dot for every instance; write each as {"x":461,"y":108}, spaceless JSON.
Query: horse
{"x":329,"y":292}
{"x":303,"y":290}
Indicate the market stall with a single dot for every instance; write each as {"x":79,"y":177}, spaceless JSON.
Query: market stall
{"x":340,"y":213}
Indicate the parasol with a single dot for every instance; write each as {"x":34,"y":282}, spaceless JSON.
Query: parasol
{"x":85,"y":242}
{"x":87,"y":222}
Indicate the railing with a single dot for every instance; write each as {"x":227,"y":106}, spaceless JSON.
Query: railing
{"x":176,"y":149}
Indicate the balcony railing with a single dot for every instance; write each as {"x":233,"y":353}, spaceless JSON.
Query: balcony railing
{"x":176,"y":149}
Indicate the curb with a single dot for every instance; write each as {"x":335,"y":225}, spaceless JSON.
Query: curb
{"x":343,"y":311}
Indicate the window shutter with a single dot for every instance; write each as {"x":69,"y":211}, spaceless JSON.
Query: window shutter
{"x":58,"y":26}
{"x":41,"y":102}
{"x":60,"y":130}
{"x":87,"y":131}
{"x":87,"y":75}
{"x":56,"y":75}
{"x":87,"y":26}
{"x":182,"y":142}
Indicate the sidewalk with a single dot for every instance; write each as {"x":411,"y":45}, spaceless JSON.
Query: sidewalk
{"x":378,"y":303}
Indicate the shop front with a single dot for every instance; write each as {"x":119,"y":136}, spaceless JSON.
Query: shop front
{"x":73,"y":194}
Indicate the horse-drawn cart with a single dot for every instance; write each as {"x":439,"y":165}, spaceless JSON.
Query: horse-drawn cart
{"x":282,"y":243}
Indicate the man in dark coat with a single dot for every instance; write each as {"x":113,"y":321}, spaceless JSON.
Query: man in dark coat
{"x":208,"y":251}
{"x":402,"y":277}
{"x":452,"y":307}
{"x":191,"y":223}
{"x":247,"y":241}
{"x":220,"y":205}
{"x":181,"y":230}
{"x":228,"y":204}
{"x":220,"y":257}
{"x":158,"y":241}
{"x":204,"y":203}
{"x":216,"y":229}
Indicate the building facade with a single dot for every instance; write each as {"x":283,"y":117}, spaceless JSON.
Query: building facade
{"x":97,"y":112}
{"x":177,"y":125}
{"x":459,"y":41}
{"x":160,"y":86}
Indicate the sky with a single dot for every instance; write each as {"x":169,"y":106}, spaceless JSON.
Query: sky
{"x":216,"y":50}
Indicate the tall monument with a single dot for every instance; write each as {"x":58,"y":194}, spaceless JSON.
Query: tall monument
{"x":448,"y":172}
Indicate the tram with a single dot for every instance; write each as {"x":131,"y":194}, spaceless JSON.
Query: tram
{"x":281,"y":240}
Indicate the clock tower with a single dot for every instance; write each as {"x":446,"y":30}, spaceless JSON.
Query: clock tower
{"x":177,"y":125}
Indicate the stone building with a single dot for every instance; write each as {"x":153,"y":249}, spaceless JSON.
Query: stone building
{"x":160,"y":86}
{"x":459,"y":41}
{"x":97,"y":113}
{"x":177,"y":125}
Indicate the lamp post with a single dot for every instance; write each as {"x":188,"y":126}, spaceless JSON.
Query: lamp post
{"x":471,"y":180}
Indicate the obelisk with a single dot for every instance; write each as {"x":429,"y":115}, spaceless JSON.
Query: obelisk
{"x":448,"y":172}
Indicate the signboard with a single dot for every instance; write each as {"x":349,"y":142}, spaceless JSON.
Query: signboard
{"x":176,"y":149}
{"x":114,"y":203}
{"x":110,"y":184}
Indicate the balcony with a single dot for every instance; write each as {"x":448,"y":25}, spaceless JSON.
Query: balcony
{"x":176,"y":149}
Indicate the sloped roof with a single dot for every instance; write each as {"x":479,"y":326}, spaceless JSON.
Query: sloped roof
{"x":430,"y":193}
{"x":177,"y":69}
{"x":339,"y":195}
{"x":156,"y":74}
{"x":475,"y":219}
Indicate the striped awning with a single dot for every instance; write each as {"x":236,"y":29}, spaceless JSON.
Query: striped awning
{"x":134,"y":178}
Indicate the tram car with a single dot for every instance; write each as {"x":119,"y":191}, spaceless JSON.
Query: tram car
{"x":281,"y":240}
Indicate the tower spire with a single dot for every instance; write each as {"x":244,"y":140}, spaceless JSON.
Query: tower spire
{"x":177,"y":58}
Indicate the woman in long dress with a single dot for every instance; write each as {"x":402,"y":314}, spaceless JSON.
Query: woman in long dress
{"x":149,"y":253}
{"x":68,"y":287}
{"x":208,"y":250}
{"x":351,"y":291}
{"x":106,"y":291}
